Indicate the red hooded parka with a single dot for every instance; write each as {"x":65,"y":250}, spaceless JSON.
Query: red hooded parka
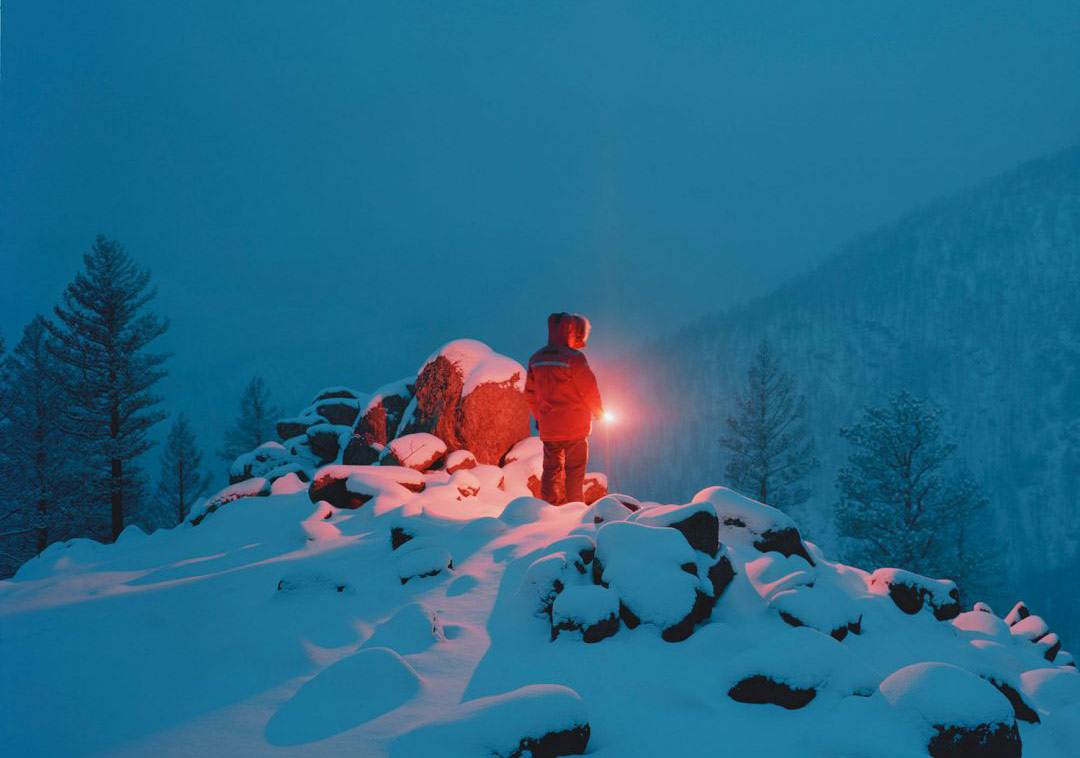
{"x":560,"y":386}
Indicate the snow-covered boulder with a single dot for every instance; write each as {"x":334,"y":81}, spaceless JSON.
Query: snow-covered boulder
{"x":1052,"y":688}
{"x":418,"y":451}
{"x":351,"y":486}
{"x":379,"y":421}
{"x":912,"y":592}
{"x":606,"y":509}
{"x":472,"y":398}
{"x":423,"y":561}
{"x":340,"y":411}
{"x":353,"y":691}
{"x":589,"y":609}
{"x":791,"y":669}
{"x":327,"y":440}
{"x":962,"y":715}
{"x":697,"y":522}
{"x":256,"y":487}
{"x":538,"y":721}
{"x":658,"y":577}
{"x":744,"y":520}
{"x":260,"y":462}
{"x":821,"y":606}
{"x":460,"y":459}
{"x":289,"y":428}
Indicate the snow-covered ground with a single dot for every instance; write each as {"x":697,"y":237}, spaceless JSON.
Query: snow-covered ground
{"x":452,"y":622}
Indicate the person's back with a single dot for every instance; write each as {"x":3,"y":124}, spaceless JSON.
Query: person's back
{"x":564,"y":399}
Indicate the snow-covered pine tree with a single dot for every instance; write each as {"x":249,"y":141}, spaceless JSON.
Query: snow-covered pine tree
{"x":181,"y":480}
{"x":255,"y":424}
{"x":102,"y":333}
{"x":41,"y":469}
{"x":771,"y":449}
{"x":904,"y":504}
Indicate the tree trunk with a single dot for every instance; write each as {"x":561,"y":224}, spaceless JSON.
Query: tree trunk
{"x":117,"y":499}
{"x":43,"y":529}
{"x":117,"y":478}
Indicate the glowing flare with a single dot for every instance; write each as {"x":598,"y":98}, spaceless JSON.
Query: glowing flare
{"x":609,"y":417}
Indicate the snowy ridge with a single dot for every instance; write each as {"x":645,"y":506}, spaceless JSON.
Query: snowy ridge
{"x":466,"y":618}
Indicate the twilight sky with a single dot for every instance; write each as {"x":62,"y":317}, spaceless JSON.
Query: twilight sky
{"x":327,"y":191}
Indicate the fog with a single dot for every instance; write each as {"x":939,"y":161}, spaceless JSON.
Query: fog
{"x":326,"y":192}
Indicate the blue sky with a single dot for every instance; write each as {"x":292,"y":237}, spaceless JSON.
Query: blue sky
{"x":328,"y":191}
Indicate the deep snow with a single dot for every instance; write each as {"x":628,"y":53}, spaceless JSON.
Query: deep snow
{"x":282,"y":626}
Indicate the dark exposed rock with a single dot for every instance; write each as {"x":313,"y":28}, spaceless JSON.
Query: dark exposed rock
{"x":982,"y":741}
{"x":566,"y":742}
{"x":786,"y":541}
{"x":324,"y":440}
{"x":910,"y":592}
{"x":340,"y":412}
{"x":1021,"y":708}
{"x":697,"y":522}
{"x":398,"y":537}
{"x":379,"y":422}
{"x":257,"y":487}
{"x":288,"y":428}
{"x":360,"y":453}
{"x":762,"y":690}
{"x":1018,"y":613}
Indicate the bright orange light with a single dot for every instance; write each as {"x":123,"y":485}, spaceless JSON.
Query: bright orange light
{"x":609,"y":417}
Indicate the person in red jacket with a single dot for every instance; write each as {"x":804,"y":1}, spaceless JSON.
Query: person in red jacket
{"x":564,"y":400}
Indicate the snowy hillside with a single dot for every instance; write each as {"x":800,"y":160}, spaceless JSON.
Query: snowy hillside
{"x":428,"y":605}
{"x":971,"y":303}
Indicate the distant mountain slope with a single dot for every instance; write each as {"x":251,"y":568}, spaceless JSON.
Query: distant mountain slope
{"x":973,"y":301}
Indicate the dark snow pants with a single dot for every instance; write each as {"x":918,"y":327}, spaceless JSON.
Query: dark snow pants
{"x":564,"y":471}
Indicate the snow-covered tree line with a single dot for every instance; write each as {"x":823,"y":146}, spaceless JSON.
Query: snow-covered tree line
{"x":903,"y":499}
{"x":77,"y":404}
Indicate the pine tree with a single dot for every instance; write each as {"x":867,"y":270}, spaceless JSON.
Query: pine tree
{"x":904,"y":504}
{"x":181,"y":482}
{"x":103,"y":332}
{"x":255,"y":424}
{"x":40,"y":467}
{"x":771,"y":448}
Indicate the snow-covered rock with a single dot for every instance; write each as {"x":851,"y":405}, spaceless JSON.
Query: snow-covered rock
{"x":963,"y":715}
{"x":794,"y":667}
{"x":384,"y":611}
{"x":912,"y":592}
{"x":538,"y":720}
{"x":747,"y":521}
{"x":472,"y":398}
{"x":418,"y":451}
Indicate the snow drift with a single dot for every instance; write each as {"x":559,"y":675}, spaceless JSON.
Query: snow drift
{"x":324,"y":607}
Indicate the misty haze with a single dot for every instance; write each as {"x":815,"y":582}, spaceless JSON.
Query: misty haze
{"x":528,"y":379}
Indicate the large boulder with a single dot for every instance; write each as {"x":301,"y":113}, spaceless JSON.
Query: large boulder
{"x":267,"y":458}
{"x":378,"y":422}
{"x":471,"y":398}
{"x":539,"y":720}
{"x":963,"y":716}
{"x":747,"y":521}
{"x":418,"y":451}
{"x":658,"y":577}
{"x":912,"y":592}
{"x":353,"y":486}
{"x":255,"y":487}
{"x":340,"y":411}
{"x":796,"y":666}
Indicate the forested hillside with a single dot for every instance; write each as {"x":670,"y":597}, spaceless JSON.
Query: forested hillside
{"x":972,"y":303}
